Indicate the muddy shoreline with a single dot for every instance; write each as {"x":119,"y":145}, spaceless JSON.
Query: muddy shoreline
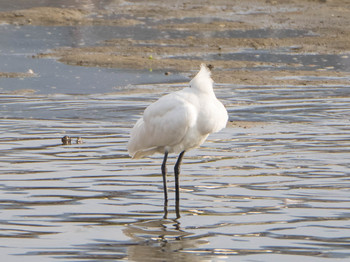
{"x":321,"y":27}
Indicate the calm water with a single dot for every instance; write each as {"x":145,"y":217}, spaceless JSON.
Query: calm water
{"x":275,"y":188}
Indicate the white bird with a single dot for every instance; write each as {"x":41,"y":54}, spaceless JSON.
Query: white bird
{"x":178,"y":122}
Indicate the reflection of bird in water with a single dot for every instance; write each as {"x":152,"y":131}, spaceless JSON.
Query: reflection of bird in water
{"x":178,"y":122}
{"x":162,"y":240}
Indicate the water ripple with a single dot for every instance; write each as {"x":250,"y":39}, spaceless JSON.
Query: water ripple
{"x":276,"y":184}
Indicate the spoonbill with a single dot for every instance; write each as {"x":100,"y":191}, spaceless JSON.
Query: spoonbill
{"x":178,"y":122}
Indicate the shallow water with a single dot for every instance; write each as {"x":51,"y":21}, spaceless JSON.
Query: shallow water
{"x":273,"y":186}
{"x":19,"y":44}
{"x":271,"y":189}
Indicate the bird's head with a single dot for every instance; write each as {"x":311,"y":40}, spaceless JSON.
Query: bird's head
{"x":202,"y":81}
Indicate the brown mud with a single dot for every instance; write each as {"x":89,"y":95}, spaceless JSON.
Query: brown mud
{"x":326,"y":27}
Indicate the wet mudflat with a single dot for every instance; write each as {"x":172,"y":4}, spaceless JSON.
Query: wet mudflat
{"x":274,"y":185}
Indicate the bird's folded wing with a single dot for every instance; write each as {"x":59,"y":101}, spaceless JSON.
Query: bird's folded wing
{"x":168,"y":120}
{"x":164,"y":124}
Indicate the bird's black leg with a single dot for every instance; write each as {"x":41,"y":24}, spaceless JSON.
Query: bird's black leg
{"x":177,"y":184}
{"x":164,"y":178}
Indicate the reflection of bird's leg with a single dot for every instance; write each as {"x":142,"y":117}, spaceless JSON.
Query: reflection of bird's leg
{"x":164,"y":178}
{"x":177,"y":186}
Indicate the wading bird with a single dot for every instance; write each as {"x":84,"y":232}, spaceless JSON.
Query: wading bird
{"x":178,"y":122}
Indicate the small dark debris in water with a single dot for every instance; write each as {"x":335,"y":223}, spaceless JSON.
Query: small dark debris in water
{"x":210,"y":66}
{"x":66,"y":140}
{"x":167,"y":73}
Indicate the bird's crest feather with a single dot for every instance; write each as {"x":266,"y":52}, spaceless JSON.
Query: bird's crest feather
{"x":202,"y":80}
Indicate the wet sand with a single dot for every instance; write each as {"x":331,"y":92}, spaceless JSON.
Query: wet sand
{"x":296,"y":28}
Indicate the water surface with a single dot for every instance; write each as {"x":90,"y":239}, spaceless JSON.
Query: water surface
{"x":274,"y":188}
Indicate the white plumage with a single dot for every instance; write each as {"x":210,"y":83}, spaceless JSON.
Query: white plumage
{"x":178,"y":122}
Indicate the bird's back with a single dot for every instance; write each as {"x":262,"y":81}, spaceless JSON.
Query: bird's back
{"x":179,"y":121}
